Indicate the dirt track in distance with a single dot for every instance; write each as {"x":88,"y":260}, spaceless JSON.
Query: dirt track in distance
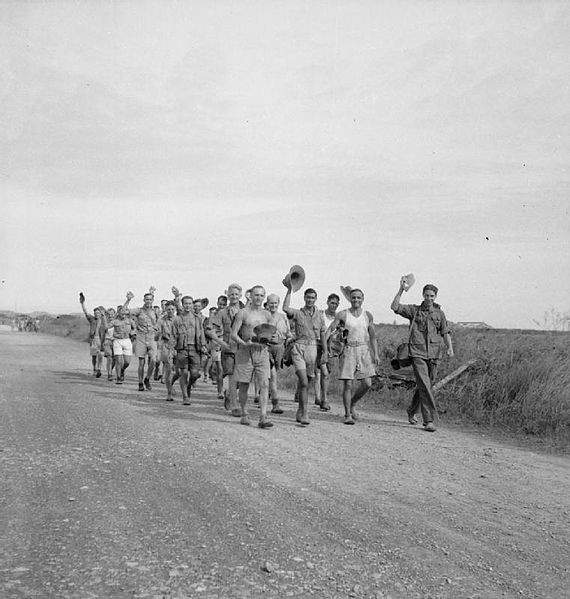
{"x":108,"y":492}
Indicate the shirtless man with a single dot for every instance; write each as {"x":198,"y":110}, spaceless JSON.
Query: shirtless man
{"x":97,"y":328}
{"x":360,"y":355}
{"x":252,"y":358}
{"x":284,"y":335}
{"x":146,"y":325}
{"x":190,"y":342}
{"x":322,"y":371}
{"x":308,"y":328}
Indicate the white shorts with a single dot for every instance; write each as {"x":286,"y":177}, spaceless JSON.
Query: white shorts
{"x":122,"y":347}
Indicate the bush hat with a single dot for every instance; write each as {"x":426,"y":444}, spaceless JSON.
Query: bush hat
{"x":263,"y":332}
{"x":346,"y":291}
{"x":295,"y":278}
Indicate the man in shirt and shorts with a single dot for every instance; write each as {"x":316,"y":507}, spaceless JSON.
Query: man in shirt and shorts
{"x":276,"y":351}
{"x":360,"y":356}
{"x":322,"y":373}
{"x":308,"y":327}
{"x":252,"y":358}
{"x":97,"y":329}
{"x":146,"y":328}
{"x":167,"y":344}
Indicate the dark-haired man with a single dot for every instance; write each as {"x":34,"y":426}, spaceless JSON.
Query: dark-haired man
{"x":97,"y":329}
{"x":308,"y":327}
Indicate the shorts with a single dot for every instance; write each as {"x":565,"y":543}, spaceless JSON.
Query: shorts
{"x":167,"y":355}
{"x":108,"y":348}
{"x":276,"y":353}
{"x":250,"y":362}
{"x":189,"y":359}
{"x":356,"y":363}
{"x":228,"y":362}
{"x":95,"y":346}
{"x":145,"y":348}
{"x":122,"y":347}
{"x":304,"y":358}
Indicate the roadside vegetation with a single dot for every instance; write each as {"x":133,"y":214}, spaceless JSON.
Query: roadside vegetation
{"x":520,"y":381}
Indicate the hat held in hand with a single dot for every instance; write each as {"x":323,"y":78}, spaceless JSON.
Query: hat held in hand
{"x":204,"y":301}
{"x":346,"y":291}
{"x":295,"y":278}
{"x":263,"y":333}
{"x":408,"y":280}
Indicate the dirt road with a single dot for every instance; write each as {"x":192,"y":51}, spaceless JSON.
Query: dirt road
{"x":108,"y":492}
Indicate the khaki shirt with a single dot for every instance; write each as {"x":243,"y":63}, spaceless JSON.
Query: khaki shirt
{"x":306,"y":326}
{"x":188,"y":331}
{"x":427,"y":329}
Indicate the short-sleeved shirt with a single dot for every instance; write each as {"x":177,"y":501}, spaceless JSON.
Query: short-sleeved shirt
{"x":226,"y":317}
{"x":188,"y":331}
{"x":427,"y":329}
{"x":307,"y":325}
{"x":165,"y":332}
{"x":146,"y":322}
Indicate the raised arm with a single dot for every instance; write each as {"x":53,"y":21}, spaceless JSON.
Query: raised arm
{"x":396,"y":301}
{"x":130,"y":296}
{"x":287,"y":303}
{"x":82,"y":302}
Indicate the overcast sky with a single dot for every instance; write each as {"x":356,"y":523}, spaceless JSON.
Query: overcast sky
{"x":199,"y":143}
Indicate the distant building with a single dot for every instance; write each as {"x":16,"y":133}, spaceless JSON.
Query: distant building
{"x":473,"y":325}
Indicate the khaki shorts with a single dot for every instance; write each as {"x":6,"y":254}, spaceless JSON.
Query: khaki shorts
{"x":145,"y":348}
{"x":356,"y":363}
{"x":250,"y":362}
{"x":304,"y":358}
{"x":228,"y":362}
{"x":276,"y":356}
{"x":122,"y":347}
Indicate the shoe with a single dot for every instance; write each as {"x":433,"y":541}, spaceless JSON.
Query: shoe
{"x":245,"y":420}
{"x":169,"y":399}
{"x":98,"y":374}
{"x":147,"y":385}
{"x":276,"y":409}
{"x":221,"y":396}
{"x":411,"y":418}
{"x":325,"y":407}
{"x":354,"y":414}
{"x":264,"y":424}
{"x":141,"y":387}
{"x":317,"y":402}
{"x":256,"y":400}
{"x":348,"y":420}
{"x":236,"y":412}
{"x":119,"y":382}
{"x":298,"y":416}
{"x":429,"y":427}
{"x":109,"y":377}
{"x":304,"y":421}
{"x":186,"y":402}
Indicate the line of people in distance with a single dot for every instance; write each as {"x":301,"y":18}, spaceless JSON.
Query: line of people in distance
{"x":245,"y":339}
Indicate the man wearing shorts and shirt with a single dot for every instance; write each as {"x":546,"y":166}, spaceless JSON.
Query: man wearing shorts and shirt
{"x":146,"y":327}
{"x":97,"y":329}
{"x":190,"y":342}
{"x":227,"y":317}
{"x":252,"y":358}
{"x":276,"y":351}
{"x":123,"y":328}
{"x":308,"y":328}
{"x":322,"y":372}
{"x":167,"y":345}
{"x":108,"y":343}
{"x":360,"y":355}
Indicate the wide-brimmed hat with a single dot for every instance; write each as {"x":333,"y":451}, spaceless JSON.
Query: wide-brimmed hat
{"x":408,"y":280}
{"x":204,"y":301}
{"x":263,"y":332}
{"x":346,"y":291}
{"x":295,"y":278}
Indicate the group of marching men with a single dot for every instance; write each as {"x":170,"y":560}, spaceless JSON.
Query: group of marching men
{"x":243,"y":339}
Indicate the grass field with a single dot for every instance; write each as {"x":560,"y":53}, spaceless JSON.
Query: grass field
{"x":520,"y":381}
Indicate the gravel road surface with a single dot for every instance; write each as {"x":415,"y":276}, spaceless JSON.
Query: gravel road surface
{"x":107,"y":492}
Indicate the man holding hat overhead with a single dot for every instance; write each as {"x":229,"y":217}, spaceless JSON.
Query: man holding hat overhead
{"x":308,"y":327}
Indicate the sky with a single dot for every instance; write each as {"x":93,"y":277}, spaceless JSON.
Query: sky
{"x":198,"y":143}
